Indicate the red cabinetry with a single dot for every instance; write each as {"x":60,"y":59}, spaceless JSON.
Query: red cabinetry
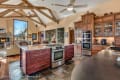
{"x":69,"y":52}
{"x":35,"y":60}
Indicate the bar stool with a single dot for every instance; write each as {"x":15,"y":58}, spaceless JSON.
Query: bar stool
{"x":2,"y":54}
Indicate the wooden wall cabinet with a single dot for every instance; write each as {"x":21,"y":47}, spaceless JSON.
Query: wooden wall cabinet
{"x":108,"y":29}
{"x":35,"y":60}
{"x":104,"y":26}
{"x":88,"y":21}
{"x":108,"y":23}
{"x":69,"y":52}
{"x":78,"y":24}
{"x":117,"y":28}
{"x":98,"y":27}
{"x":98,"y":30}
{"x":117,"y":24}
{"x":117,"y":41}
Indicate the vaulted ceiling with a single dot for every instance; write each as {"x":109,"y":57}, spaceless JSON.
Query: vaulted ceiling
{"x":41,"y":11}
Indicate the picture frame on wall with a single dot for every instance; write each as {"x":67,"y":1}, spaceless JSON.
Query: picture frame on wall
{"x":2,"y":30}
{"x":34,"y":36}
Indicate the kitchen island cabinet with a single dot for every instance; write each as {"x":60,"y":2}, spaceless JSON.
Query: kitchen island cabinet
{"x":69,"y":52}
{"x":35,"y":58}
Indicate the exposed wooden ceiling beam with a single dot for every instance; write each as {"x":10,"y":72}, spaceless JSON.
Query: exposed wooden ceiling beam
{"x":39,"y":18}
{"x":2,"y":1}
{"x":29,"y":4}
{"x":16,"y":16}
{"x":6,"y":12}
{"x":27,"y":17}
{"x":26,"y":2}
{"x":53,"y":15}
{"x":45,"y":14}
{"x":53,"y":18}
{"x":6,"y":6}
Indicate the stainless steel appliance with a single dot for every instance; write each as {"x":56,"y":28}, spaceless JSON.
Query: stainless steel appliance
{"x":57,"y":54}
{"x":86,"y":43}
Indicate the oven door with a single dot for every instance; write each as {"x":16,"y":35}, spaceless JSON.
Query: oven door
{"x":86,"y":46}
{"x":57,"y":55}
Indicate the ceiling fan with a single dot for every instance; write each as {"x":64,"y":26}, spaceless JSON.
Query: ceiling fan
{"x":70,"y":7}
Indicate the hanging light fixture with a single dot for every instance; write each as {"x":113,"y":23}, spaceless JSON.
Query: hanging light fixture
{"x":70,"y":8}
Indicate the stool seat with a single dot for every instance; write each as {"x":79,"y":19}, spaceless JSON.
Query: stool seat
{"x":3,"y":53}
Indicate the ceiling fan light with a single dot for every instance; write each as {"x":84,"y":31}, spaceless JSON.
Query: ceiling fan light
{"x":70,"y":8}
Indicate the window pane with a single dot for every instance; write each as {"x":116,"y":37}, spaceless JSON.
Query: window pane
{"x":20,"y":30}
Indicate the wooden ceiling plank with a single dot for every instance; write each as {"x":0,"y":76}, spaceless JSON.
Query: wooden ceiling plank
{"x":2,"y":1}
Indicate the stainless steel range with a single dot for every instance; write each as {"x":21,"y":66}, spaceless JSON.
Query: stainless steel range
{"x":57,"y":54}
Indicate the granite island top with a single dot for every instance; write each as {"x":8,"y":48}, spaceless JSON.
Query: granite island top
{"x":102,"y":66}
{"x":34,"y":47}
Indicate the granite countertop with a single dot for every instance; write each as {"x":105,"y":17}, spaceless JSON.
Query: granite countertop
{"x":98,"y":67}
{"x":34,"y":47}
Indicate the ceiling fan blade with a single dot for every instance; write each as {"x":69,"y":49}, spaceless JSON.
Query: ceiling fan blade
{"x":72,"y":2}
{"x":59,"y":5}
{"x":77,"y":6}
{"x":63,"y":10}
{"x":74,"y":11}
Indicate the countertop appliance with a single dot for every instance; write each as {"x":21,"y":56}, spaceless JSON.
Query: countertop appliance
{"x":57,"y":54}
{"x":103,"y":42}
{"x":118,"y":61}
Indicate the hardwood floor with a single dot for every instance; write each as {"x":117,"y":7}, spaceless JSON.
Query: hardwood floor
{"x":12,"y":66}
{"x":97,"y":67}
{"x":4,"y":69}
{"x":4,"y":66}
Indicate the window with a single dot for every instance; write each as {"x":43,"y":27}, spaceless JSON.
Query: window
{"x":20,"y":30}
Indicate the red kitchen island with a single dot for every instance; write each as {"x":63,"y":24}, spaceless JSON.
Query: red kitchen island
{"x":35,"y":58}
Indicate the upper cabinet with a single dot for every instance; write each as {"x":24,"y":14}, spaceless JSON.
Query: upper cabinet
{"x":117,"y":24}
{"x":98,"y":30}
{"x":86,"y":23}
{"x":104,"y":26}
{"x":78,"y":24}
{"x":108,"y":29}
{"x":117,"y":29}
{"x":108,"y":23}
{"x":98,"y":27}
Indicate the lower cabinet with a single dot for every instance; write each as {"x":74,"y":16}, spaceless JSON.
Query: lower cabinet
{"x":117,"y":41}
{"x":35,"y":60}
{"x":69,"y":52}
{"x":97,"y":48}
